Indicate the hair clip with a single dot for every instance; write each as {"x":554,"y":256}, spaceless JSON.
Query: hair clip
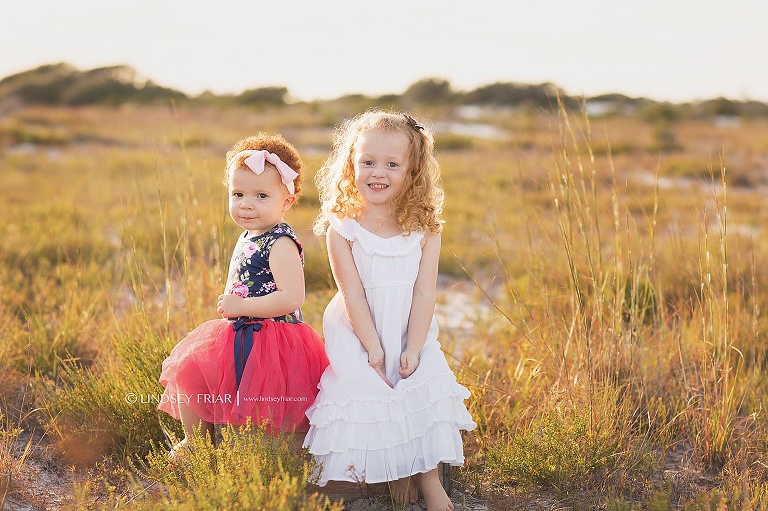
{"x":412,"y":122}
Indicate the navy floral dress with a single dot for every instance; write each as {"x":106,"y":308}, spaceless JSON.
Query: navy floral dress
{"x":249,"y":272}
{"x":232,"y":370}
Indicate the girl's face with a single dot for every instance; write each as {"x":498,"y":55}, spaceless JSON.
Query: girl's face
{"x":381,"y":164}
{"x":257,"y":202}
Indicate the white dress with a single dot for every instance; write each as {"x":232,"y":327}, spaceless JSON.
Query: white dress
{"x":360,"y":428}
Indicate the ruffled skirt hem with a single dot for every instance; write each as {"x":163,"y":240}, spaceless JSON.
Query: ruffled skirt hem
{"x":441,"y":444}
{"x":376,"y":439}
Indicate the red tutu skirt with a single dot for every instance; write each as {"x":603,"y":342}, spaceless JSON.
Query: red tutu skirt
{"x":279,"y":378}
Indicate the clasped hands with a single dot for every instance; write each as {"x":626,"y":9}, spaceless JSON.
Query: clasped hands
{"x":229,"y":306}
{"x":409,"y":361}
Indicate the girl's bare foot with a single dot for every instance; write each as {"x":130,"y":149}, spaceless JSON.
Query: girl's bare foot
{"x":434,"y":494}
{"x":404,"y":491}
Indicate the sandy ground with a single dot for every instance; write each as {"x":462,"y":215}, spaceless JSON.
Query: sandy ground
{"x":461,"y":501}
{"x":43,"y":483}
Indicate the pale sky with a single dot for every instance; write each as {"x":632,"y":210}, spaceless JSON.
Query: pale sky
{"x":670,"y":50}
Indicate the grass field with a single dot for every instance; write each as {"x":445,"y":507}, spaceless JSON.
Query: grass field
{"x":615,"y":358}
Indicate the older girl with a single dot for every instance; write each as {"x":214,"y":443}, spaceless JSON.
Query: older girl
{"x":389,"y":406}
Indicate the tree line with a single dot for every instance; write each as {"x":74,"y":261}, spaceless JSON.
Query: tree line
{"x":64,"y":85}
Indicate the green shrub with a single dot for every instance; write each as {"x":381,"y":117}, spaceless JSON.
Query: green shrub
{"x":560,"y":449}
{"x":249,"y":470}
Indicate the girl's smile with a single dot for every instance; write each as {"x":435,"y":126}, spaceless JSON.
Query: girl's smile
{"x":381,"y":164}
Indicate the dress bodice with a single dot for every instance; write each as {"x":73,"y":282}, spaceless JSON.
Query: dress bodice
{"x":249,"y":271}
{"x":381,"y":262}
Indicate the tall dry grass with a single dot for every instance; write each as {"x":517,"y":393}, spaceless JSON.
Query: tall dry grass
{"x":620,"y":337}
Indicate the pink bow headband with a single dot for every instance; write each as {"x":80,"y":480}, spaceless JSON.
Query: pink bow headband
{"x":255,"y":162}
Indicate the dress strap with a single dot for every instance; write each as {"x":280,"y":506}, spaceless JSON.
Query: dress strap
{"x":344,"y":226}
{"x":280,"y":230}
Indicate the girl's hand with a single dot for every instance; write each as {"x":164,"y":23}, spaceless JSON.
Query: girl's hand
{"x":376,"y":360}
{"x":409,"y":361}
{"x":229,"y":306}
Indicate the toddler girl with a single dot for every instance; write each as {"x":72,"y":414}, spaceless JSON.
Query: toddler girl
{"x":261,"y":361}
{"x":389,"y":406}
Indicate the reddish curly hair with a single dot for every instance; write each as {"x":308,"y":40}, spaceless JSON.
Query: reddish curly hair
{"x":274,"y":144}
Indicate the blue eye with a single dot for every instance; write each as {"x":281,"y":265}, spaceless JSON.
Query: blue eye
{"x":368,"y":163}
{"x":392,"y":164}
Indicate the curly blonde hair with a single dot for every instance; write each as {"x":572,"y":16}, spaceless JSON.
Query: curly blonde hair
{"x":274,"y":144}
{"x":419,"y":204}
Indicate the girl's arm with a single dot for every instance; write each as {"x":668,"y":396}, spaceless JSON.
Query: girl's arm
{"x":352,"y":291}
{"x":286,"y":268}
{"x":422,"y":306}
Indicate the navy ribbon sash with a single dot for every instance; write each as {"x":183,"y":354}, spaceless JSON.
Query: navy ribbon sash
{"x":244,"y":330}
